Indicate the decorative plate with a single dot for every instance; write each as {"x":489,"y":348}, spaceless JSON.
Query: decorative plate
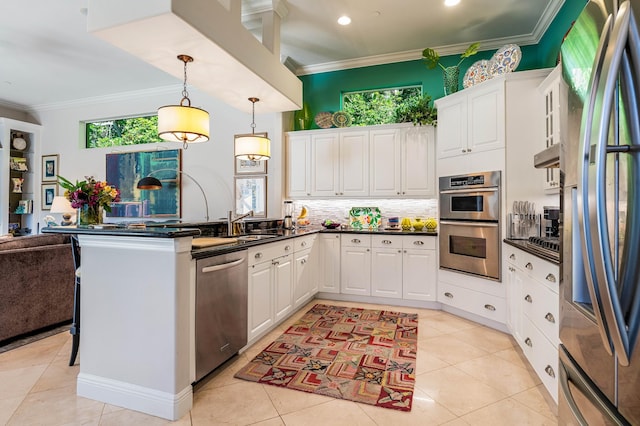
{"x":19,"y":143}
{"x":364,"y":217}
{"x":477,"y":73}
{"x":323,"y":120}
{"x":505,"y":60}
{"x":341,"y":119}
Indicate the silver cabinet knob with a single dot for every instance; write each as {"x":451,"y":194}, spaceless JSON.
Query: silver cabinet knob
{"x":418,"y":243}
{"x":528,"y":342}
{"x":386,"y":241}
{"x":355,"y":241}
{"x":464,"y":150}
{"x":549,"y":317}
{"x":303,"y":244}
{"x":549,"y":370}
{"x":287,"y":248}
{"x":513,"y":256}
{"x":551,"y":278}
{"x":529,"y":266}
{"x":528,"y":298}
{"x":258,"y":256}
{"x":489,"y":307}
{"x":449,"y":295}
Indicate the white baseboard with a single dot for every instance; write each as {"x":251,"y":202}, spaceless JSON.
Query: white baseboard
{"x":150,"y":401}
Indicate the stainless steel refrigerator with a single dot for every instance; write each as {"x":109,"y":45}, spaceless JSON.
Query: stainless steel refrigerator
{"x":600,"y":202}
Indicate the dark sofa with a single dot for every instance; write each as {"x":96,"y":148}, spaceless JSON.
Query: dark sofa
{"x":36,"y":284}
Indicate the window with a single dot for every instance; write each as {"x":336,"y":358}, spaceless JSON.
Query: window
{"x":122,"y":131}
{"x":377,"y":106}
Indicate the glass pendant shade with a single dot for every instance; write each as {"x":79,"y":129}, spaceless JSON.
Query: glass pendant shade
{"x":252,"y":147}
{"x":179,"y":123}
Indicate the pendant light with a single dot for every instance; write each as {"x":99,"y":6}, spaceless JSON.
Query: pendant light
{"x":183,"y":123}
{"x":253,"y":147}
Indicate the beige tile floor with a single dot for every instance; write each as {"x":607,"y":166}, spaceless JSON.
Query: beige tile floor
{"x":466,"y":374}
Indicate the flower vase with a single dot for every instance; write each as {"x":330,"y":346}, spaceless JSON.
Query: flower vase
{"x":89,"y":215}
{"x":451,"y":75}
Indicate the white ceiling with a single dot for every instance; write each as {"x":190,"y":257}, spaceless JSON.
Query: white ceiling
{"x":48,"y":58}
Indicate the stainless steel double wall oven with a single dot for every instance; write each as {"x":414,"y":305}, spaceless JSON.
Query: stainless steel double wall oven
{"x":470,"y":224}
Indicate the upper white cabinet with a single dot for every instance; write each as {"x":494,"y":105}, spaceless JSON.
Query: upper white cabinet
{"x":299,"y":165}
{"x":472,"y":120}
{"x":379,"y":161}
{"x":20,"y":176}
{"x":554,"y":91}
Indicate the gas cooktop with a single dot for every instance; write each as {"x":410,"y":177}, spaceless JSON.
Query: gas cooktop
{"x":547,"y":246}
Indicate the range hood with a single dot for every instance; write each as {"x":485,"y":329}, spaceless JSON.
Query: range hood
{"x":230,"y":63}
{"x":549,"y":158}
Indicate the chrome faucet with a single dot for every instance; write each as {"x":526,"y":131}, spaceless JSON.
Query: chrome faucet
{"x":231,"y":222}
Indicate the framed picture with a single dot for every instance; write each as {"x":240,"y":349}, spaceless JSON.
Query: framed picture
{"x":50,"y":168}
{"x":251,"y":194}
{"x":49,"y":190}
{"x":249,"y":167}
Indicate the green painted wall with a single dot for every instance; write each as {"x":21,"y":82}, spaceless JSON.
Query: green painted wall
{"x":322,"y":92}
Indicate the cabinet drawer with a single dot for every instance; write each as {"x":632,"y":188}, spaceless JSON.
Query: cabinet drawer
{"x":539,"y":269}
{"x":482,"y":304}
{"x":386,"y":241}
{"x":267,"y":252}
{"x":356,"y":240}
{"x":303,"y":243}
{"x":541,"y":306}
{"x":543,"y":357}
{"x":419,"y":242}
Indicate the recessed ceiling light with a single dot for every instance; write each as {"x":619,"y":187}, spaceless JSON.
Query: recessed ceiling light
{"x":450,"y":3}
{"x":344,"y":20}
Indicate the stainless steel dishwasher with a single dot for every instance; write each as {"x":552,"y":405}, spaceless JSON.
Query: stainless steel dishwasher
{"x":221,"y":309}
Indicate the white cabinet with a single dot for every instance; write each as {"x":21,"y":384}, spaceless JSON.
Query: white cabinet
{"x":419,"y":268}
{"x":472,"y":120}
{"x":325,"y":164}
{"x":340,"y":164}
{"x":298,"y":165}
{"x":402,"y":161}
{"x":386,"y":266}
{"x":12,"y":193}
{"x":535,"y":311}
{"x":305,"y":276}
{"x":554,"y":91}
{"x":270,"y":286}
{"x":355,"y":268}
{"x":380,"y":161}
{"x":329,"y":263}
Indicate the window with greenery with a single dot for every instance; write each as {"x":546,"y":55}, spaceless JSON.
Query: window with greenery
{"x":123,"y":131}
{"x":378,"y":106}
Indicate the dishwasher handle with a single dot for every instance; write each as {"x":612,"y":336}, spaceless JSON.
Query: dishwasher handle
{"x":222,"y":266}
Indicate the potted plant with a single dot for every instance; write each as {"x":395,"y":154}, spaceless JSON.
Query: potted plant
{"x":450,"y":74}
{"x":418,"y":110}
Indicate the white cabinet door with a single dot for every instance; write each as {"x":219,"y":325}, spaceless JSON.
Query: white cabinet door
{"x":329,"y":263}
{"x":325,"y":165}
{"x":354,"y":163}
{"x":283,"y":286}
{"x":302,"y":273}
{"x":486,"y":118}
{"x":452,"y":127}
{"x":260,"y":299}
{"x":418,"y":161}
{"x":554,"y":91}
{"x":419,"y":274}
{"x":355,"y":271}
{"x":385,"y":162}
{"x":298,"y":165}
{"x":386,"y":272}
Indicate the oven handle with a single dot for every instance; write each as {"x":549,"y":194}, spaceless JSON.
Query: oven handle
{"x":466,"y":191}
{"x":476,"y":224}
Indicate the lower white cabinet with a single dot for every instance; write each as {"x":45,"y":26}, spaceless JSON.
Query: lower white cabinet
{"x":270,"y":286}
{"x":419,"y":268}
{"x":386,"y":266}
{"x":355,"y":269}
{"x":329,"y":263}
{"x":485,"y":305}
{"x":534,"y":312}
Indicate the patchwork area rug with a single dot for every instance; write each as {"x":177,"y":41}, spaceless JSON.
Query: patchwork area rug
{"x":362,"y":355}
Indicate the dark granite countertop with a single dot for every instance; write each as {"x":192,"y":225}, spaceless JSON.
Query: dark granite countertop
{"x":521,"y":244}
{"x":125,"y":232}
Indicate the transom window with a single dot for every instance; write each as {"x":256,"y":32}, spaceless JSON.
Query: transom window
{"x":122,"y":131}
{"x":379,"y":106}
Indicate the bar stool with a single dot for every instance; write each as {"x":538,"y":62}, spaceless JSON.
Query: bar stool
{"x":75,"y":325}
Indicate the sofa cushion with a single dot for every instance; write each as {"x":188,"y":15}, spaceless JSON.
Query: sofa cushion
{"x":33,"y":241}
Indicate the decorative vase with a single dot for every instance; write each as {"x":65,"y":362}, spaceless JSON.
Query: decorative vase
{"x":89,"y":215}
{"x":451,"y":75}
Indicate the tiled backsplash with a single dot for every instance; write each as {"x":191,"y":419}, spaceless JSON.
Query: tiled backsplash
{"x":338,"y":209}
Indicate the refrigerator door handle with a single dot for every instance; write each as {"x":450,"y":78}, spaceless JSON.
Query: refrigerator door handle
{"x":607,"y":277}
{"x":582,"y":207}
